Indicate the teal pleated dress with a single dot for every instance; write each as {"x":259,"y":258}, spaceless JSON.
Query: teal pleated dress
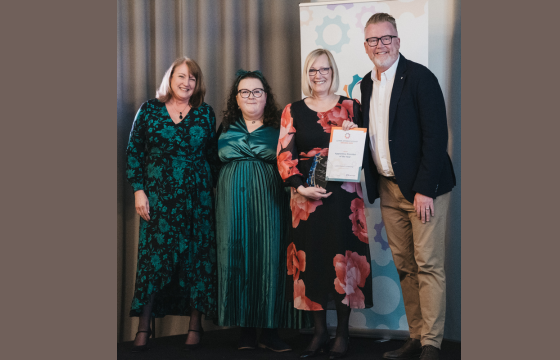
{"x":252,"y":214}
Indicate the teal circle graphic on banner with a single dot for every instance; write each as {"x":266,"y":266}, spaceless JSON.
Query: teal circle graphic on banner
{"x":336,"y":34}
{"x":403,"y":323}
{"x":386,"y":295}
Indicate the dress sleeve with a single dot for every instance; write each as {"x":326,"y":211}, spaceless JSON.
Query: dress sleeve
{"x":286,"y":154}
{"x":212,"y":149}
{"x":136,"y":150}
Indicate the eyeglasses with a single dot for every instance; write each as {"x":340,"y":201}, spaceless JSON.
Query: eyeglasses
{"x":322,"y":71}
{"x":386,"y":40}
{"x":246,"y":93}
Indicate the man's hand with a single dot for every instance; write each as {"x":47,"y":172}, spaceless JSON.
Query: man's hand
{"x":424,"y":206}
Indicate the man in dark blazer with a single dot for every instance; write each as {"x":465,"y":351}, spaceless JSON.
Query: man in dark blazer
{"x":406,"y":165}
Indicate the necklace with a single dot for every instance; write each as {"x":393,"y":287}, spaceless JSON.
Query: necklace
{"x":181,"y":112}
{"x":254,"y":121}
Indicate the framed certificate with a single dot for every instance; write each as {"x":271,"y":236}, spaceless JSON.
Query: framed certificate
{"x":346,"y":153}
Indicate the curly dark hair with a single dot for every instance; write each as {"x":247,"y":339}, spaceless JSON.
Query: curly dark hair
{"x":233,"y":113}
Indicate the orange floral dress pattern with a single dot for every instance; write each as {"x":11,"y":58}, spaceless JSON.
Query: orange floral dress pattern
{"x":328,"y":256}
{"x":296,"y":265}
{"x":352,"y":271}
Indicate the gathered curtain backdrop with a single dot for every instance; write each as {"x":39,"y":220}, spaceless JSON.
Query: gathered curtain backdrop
{"x":223,"y":36}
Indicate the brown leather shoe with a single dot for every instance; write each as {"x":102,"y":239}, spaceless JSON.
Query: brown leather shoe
{"x":429,"y":352}
{"x":411,"y":349}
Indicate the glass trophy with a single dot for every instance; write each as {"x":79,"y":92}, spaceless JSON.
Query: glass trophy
{"x":318,"y":172}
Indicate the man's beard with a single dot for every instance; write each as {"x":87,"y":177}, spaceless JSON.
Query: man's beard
{"x":385,"y":62}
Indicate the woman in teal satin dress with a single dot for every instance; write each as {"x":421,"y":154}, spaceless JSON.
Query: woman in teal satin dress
{"x":252,"y":214}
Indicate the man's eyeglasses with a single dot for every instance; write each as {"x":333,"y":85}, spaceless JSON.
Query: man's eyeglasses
{"x":322,"y":71}
{"x":246,"y":93}
{"x":386,"y":40}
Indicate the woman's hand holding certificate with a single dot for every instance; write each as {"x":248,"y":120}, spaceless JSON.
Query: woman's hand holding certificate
{"x":348,"y":125}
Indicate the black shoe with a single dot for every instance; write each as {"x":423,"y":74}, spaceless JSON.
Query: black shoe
{"x":429,"y":352}
{"x":248,"y":340}
{"x":142,"y":348}
{"x":336,"y":355}
{"x":191,"y":347}
{"x":411,"y":349}
{"x":324,"y":347}
{"x":270,"y":340}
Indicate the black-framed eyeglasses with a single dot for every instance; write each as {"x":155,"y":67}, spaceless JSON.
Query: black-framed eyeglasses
{"x":385,"y":39}
{"x":322,"y":71}
{"x":246,"y":93}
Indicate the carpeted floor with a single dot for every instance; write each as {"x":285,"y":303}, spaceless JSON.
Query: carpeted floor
{"x":221,"y":344}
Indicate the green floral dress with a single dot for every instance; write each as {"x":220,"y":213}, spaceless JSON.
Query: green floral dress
{"x":175,"y":165}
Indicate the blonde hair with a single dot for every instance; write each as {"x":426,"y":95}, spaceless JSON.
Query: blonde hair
{"x":381,"y":17}
{"x":305,"y":83}
{"x":165,"y":93}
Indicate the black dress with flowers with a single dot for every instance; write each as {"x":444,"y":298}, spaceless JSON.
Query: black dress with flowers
{"x":175,"y":165}
{"x":328,"y":252}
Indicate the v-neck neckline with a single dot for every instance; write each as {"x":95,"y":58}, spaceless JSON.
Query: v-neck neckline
{"x":247,"y":129}
{"x":170,"y":118}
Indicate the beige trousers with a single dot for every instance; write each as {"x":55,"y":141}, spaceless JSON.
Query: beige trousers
{"x":419,"y":254}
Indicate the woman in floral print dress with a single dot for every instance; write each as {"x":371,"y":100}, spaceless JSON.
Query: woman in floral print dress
{"x":172,"y":162}
{"x":328,"y":255}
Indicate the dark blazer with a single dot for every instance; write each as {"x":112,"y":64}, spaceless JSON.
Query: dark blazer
{"x":417,"y":134}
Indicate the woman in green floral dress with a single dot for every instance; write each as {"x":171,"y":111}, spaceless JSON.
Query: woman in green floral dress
{"x":172,"y":162}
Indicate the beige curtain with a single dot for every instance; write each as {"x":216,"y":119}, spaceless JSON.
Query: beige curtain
{"x":222,"y":36}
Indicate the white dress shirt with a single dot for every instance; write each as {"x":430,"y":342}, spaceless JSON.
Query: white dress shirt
{"x":379,"y":119}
